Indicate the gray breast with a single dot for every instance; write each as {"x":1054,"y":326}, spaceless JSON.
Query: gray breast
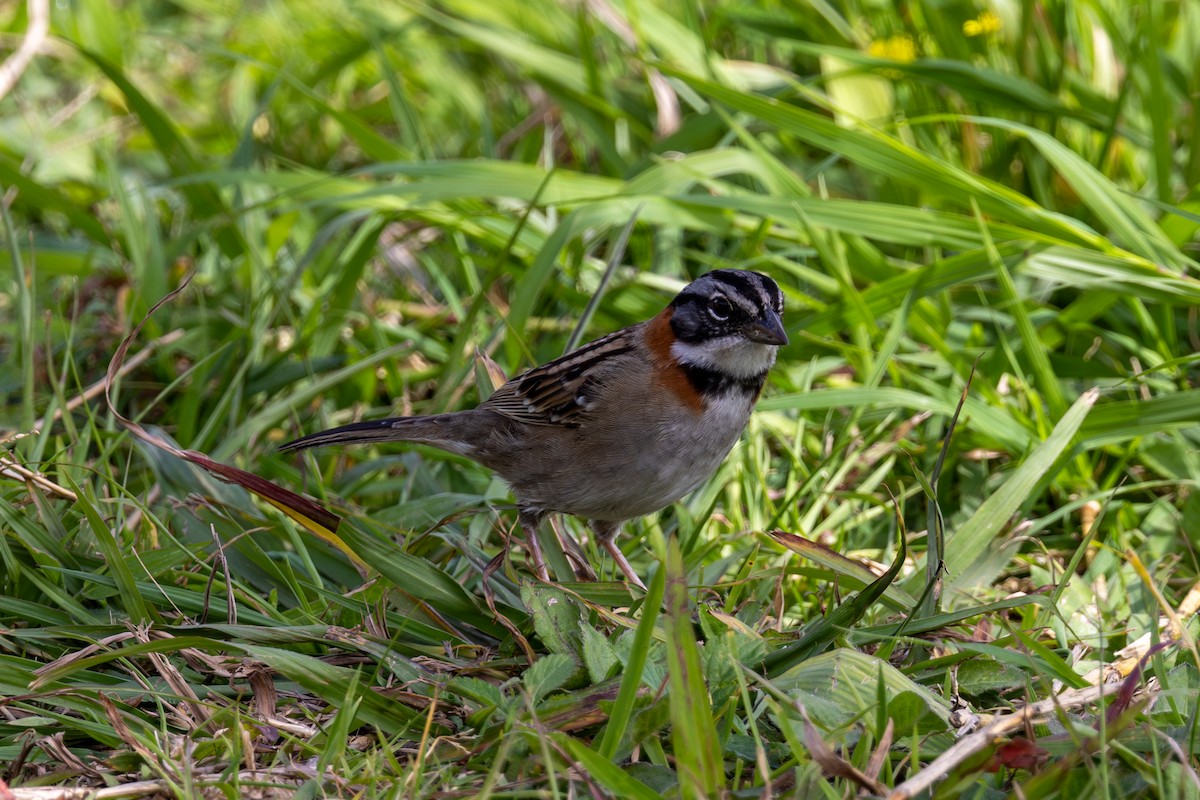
{"x":631,"y":466}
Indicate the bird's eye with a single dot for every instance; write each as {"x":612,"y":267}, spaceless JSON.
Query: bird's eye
{"x":719,"y":308}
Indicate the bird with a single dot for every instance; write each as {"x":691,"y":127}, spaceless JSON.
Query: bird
{"x":621,"y":427}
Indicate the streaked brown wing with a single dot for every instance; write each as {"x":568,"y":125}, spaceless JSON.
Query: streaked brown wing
{"x":560,"y":392}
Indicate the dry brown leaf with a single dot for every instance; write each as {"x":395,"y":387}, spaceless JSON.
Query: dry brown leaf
{"x":833,"y":765}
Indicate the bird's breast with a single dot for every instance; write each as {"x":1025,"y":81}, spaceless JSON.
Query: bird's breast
{"x":630,"y":465}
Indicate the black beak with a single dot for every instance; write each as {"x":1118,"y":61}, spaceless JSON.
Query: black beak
{"x":768,"y":330}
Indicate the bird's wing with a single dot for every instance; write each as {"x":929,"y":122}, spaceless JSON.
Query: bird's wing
{"x":563,"y":391}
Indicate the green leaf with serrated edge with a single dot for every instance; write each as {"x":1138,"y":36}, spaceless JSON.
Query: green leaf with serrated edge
{"x":556,"y":619}
{"x":598,"y":654}
{"x":551,"y":671}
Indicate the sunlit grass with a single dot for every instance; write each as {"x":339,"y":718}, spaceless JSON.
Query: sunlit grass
{"x":1000,"y":201}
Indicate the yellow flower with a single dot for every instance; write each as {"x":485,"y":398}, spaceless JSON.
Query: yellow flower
{"x":895,"y":48}
{"x":985,"y":24}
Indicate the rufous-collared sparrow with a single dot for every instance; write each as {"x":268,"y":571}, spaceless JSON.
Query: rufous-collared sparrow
{"x":623,"y":426}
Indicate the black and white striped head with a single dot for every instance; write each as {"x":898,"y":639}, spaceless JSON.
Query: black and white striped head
{"x":729,"y":320}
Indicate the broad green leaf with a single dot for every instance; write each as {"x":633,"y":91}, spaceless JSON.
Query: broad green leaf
{"x":550,"y":672}
{"x":556,"y":618}
{"x":839,"y":687}
{"x":973,"y":544}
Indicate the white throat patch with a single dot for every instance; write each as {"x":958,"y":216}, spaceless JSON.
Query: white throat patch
{"x":734,"y":356}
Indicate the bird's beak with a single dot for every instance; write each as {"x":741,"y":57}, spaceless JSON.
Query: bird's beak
{"x":768,"y":330}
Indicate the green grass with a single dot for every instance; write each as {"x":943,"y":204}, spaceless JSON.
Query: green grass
{"x":999,"y":208}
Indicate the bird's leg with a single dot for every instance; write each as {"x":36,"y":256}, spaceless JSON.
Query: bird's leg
{"x":606,"y":534}
{"x":572,"y":550}
{"x":529,"y":520}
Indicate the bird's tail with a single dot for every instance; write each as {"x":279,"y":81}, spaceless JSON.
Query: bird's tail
{"x":432,"y":430}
